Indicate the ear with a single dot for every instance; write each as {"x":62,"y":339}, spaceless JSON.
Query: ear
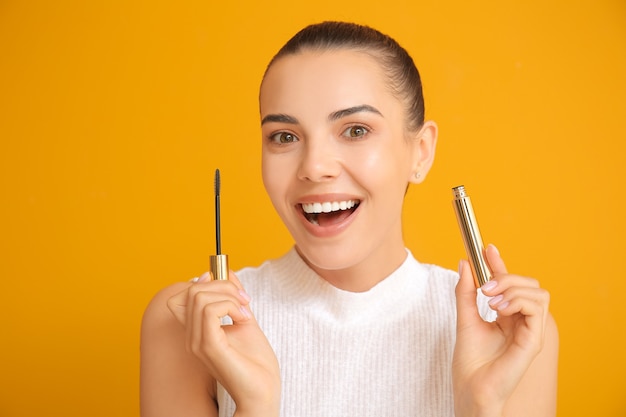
{"x":423,"y":151}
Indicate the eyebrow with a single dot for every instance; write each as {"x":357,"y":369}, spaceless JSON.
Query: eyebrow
{"x":352,"y":110}
{"x":284,"y":118}
{"x":279,"y":118}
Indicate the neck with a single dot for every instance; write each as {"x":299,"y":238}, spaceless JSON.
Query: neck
{"x":366,"y":274}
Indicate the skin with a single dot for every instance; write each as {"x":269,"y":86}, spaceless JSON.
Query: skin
{"x":333,"y":131}
{"x":320,"y":159}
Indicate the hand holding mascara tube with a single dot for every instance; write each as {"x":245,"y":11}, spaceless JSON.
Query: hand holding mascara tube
{"x":219,"y":261}
{"x":472,"y":240}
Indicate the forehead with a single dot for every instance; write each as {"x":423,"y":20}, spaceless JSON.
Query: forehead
{"x":327,"y":80}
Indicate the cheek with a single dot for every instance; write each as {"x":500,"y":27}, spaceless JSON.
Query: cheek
{"x":275,"y":178}
{"x":266,"y":174}
{"x":385,"y":167}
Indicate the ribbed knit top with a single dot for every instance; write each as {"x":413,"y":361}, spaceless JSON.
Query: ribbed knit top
{"x":383,"y":352}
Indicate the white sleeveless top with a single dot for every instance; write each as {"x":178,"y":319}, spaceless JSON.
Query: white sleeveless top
{"x":383,"y":352}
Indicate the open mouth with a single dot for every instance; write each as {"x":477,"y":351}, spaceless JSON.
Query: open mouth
{"x":329,"y":213}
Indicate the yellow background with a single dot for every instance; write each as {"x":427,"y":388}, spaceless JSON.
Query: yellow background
{"x":114,"y":115}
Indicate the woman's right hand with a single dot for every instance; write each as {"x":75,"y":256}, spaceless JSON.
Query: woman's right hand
{"x":238,"y":356}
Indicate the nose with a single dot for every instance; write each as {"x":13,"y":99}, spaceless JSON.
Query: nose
{"x":320,"y":161}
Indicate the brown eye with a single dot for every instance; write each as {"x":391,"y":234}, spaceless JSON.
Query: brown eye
{"x":283,"y":137}
{"x":355,"y":132}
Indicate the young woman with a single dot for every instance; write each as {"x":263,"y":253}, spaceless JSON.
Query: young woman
{"x":347,"y":323}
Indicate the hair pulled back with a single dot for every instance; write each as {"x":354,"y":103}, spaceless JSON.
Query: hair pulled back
{"x":397,"y":64}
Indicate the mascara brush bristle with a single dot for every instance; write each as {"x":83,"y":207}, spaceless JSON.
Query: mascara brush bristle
{"x":218,"y":237}
{"x":217,"y":182}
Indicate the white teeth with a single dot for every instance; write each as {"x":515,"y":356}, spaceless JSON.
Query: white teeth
{"x":328,"y":206}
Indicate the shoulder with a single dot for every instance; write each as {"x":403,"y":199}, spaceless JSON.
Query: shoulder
{"x":431,"y":270}
{"x":442,"y":285}
{"x":157,"y":313}
{"x":159,"y":326}
{"x":171,"y":378}
{"x":443,"y":280}
{"x":437,"y":287}
{"x":440,"y":273}
{"x":438,"y":277}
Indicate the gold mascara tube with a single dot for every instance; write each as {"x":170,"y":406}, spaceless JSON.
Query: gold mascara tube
{"x":218,"y":262}
{"x":472,"y":240}
{"x":219,"y":266}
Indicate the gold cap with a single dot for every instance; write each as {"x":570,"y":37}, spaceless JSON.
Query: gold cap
{"x":219,"y":266}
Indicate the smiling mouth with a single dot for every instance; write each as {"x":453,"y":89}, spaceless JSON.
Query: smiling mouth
{"x":330,"y":212}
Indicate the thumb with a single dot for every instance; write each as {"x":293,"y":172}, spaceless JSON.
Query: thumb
{"x":178,"y":306}
{"x":467,"y":311}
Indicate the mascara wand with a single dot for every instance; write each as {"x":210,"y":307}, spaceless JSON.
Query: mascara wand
{"x":218,"y":236}
{"x":219,"y":262}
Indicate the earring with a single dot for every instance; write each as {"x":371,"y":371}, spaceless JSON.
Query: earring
{"x":418,"y":175}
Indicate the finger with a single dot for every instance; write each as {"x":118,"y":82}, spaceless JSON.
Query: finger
{"x":203,"y":299}
{"x":533,"y":303}
{"x":513,"y":295}
{"x":233,"y":278}
{"x":529,"y":304}
{"x":495,"y":260}
{"x":502,"y":283}
{"x":177,"y":304}
{"x":190,"y":303}
{"x":208,"y":332}
{"x":207,"y":276}
{"x":242,"y":295}
{"x":231,"y":287}
{"x":202,"y":278}
{"x":209,"y":307}
{"x":467,"y":312}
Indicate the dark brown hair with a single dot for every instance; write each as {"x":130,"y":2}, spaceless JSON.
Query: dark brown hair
{"x":397,"y":64}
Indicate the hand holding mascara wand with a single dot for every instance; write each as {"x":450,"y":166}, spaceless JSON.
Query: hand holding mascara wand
{"x":219,"y":262}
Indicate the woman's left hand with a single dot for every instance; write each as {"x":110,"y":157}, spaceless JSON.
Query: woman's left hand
{"x":491,"y":360}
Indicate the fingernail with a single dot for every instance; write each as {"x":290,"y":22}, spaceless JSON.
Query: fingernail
{"x":489,"y":285}
{"x":495,"y":300}
{"x":244,"y":310}
{"x":204,"y":277}
{"x":503,"y":305}
{"x":460,"y":267}
{"x":244,"y":295}
{"x":495,"y":248}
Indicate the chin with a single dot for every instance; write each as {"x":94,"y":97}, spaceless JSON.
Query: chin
{"x":328,"y":257}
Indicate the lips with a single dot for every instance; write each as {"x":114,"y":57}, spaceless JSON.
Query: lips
{"x":329,"y":213}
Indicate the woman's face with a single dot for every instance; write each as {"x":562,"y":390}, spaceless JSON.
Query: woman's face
{"x":337,"y":159}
